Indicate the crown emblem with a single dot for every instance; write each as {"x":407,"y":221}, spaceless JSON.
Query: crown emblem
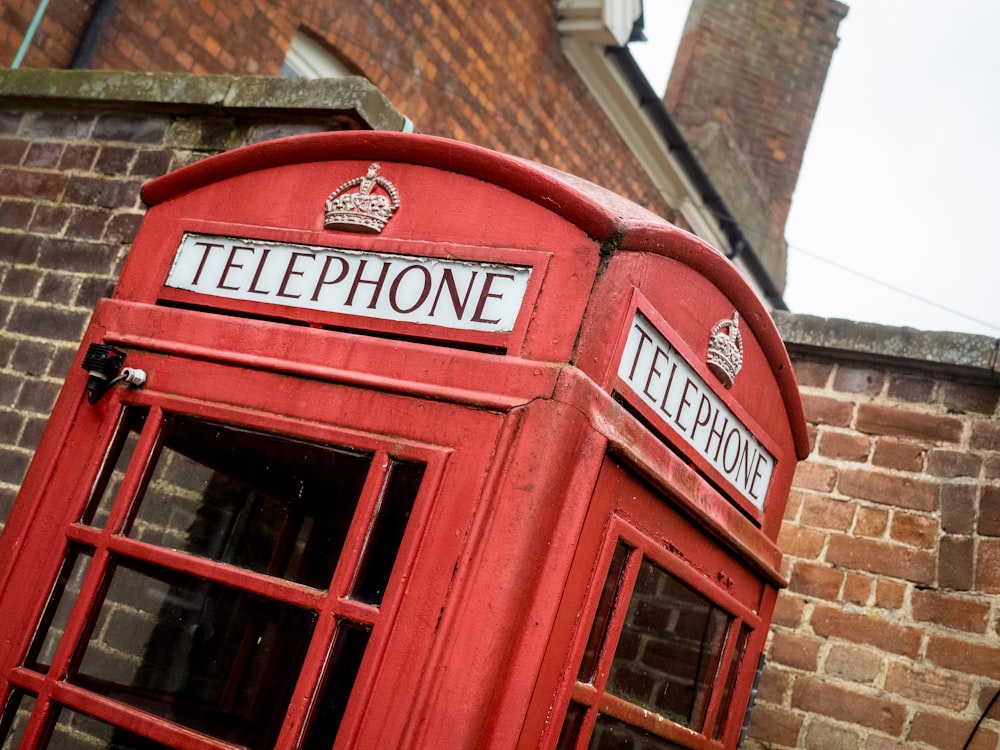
{"x":725,"y":350}
{"x":362,"y":211}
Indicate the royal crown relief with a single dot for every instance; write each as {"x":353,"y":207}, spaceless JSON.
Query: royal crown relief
{"x":456,"y":293}
{"x":725,"y":350}
{"x":364,"y":210}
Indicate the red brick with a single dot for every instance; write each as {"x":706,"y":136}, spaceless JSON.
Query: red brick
{"x":989,"y":512}
{"x":889,"y":594}
{"x":812,"y":374}
{"x":12,"y":150}
{"x":78,"y":156}
{"x":857,"y":588}
{"x":955,"y":563}
{"x":825,"y":513}
{"x":50,"y":219}
{"x":955,"y":612}
{"x":859,"y":380}
{"x":821,"y":735}
{"x":899,"y":454}
{"x":889,"y":420}
{"x":958,"y":508}
{"x":794,"y":504}
{"x":947,"y":732}
{"x":889,"y":489}
{"x":871,"y":522}
{"x":774,"y":725}
{"x":882,"y":558}
{"x":820,"y":697}
{"x":828,"y":411}
{"x":853,"y":664}
{"x":43,"y":155}
{"x":798,"y":542}
{"x":846,"y":446}
{"x":985,"y":435}
{"x":796,"y":651}
{"x":24,"y":183}
{"x":916,"y":531}
{"x":988,"y":566}
{"x":966,"y":397}
{"x":810,"y":475}
{"x":814,"y":579}
{"x":884,"y":743}
{"x":16,"y":214}
{"x":773,"y":685}
{"x":942,"y":462}
{"x":928,"y":686}
{"x":832,"y":622}
{"x":913,"y":390}
{"x":788,"y":611}
{"x":970,"y":657}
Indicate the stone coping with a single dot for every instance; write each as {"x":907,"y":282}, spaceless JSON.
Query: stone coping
{"x":965,"y":355}
{"x":353,"y":99}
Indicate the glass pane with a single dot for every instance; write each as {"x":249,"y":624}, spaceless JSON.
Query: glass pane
{"x":75,"y":731}
{"x":53,"y":623}
{"x":588,"y":667}
{"x":734,"y":670}
{"x":669,"y":650}
{"x":611,"y":734}
{"x":204,"y":655}
{"x":263,"y":502}
{"x":119,"y":454}
{"x":382,"y":546}
{"x":345,"y":661}
{"x":15,"y":719}
{"x":571,"y":726}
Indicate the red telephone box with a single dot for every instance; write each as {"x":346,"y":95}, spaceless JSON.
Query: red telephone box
{"x":390,"y":441}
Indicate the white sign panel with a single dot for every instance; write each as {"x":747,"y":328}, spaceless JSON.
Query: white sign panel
{"x":462,"y":294}
{"x":657,"y":374}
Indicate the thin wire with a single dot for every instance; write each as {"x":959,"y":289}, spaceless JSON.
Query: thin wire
{"x":898,"y":290}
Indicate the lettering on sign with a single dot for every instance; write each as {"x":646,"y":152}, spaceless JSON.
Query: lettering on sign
{"x":662,"y":379}
{"x":462,"y":294}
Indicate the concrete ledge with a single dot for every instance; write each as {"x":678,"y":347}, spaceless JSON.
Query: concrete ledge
{"x":961,"y":354}
{"x":353,"y":101}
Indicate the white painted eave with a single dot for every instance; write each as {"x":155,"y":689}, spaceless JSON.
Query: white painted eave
{"x":587,"y":28}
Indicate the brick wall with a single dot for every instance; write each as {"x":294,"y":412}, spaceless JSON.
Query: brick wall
{"x":70,"y":173}
{"x":889,"y":633}
{"x":492,"y":74}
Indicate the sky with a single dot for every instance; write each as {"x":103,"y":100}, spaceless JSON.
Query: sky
{"x":894,"y":218}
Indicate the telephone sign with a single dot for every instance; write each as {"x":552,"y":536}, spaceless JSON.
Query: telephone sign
{"x":467,"y":295}
{"x":683,"y":404}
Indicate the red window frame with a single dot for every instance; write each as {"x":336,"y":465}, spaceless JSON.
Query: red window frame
{"x":330,"y":606}
{"x":626,"y":511}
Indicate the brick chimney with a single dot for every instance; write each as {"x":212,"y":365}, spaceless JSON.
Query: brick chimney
{"x":744,"y":90}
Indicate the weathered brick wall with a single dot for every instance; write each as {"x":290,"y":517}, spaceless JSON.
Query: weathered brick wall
{"x":492,"y":74}
{"x":70,"y":173}
{"x":889,"y":633}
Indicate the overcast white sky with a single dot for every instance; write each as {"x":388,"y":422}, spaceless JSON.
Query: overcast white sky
{"x":895,"y":217}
